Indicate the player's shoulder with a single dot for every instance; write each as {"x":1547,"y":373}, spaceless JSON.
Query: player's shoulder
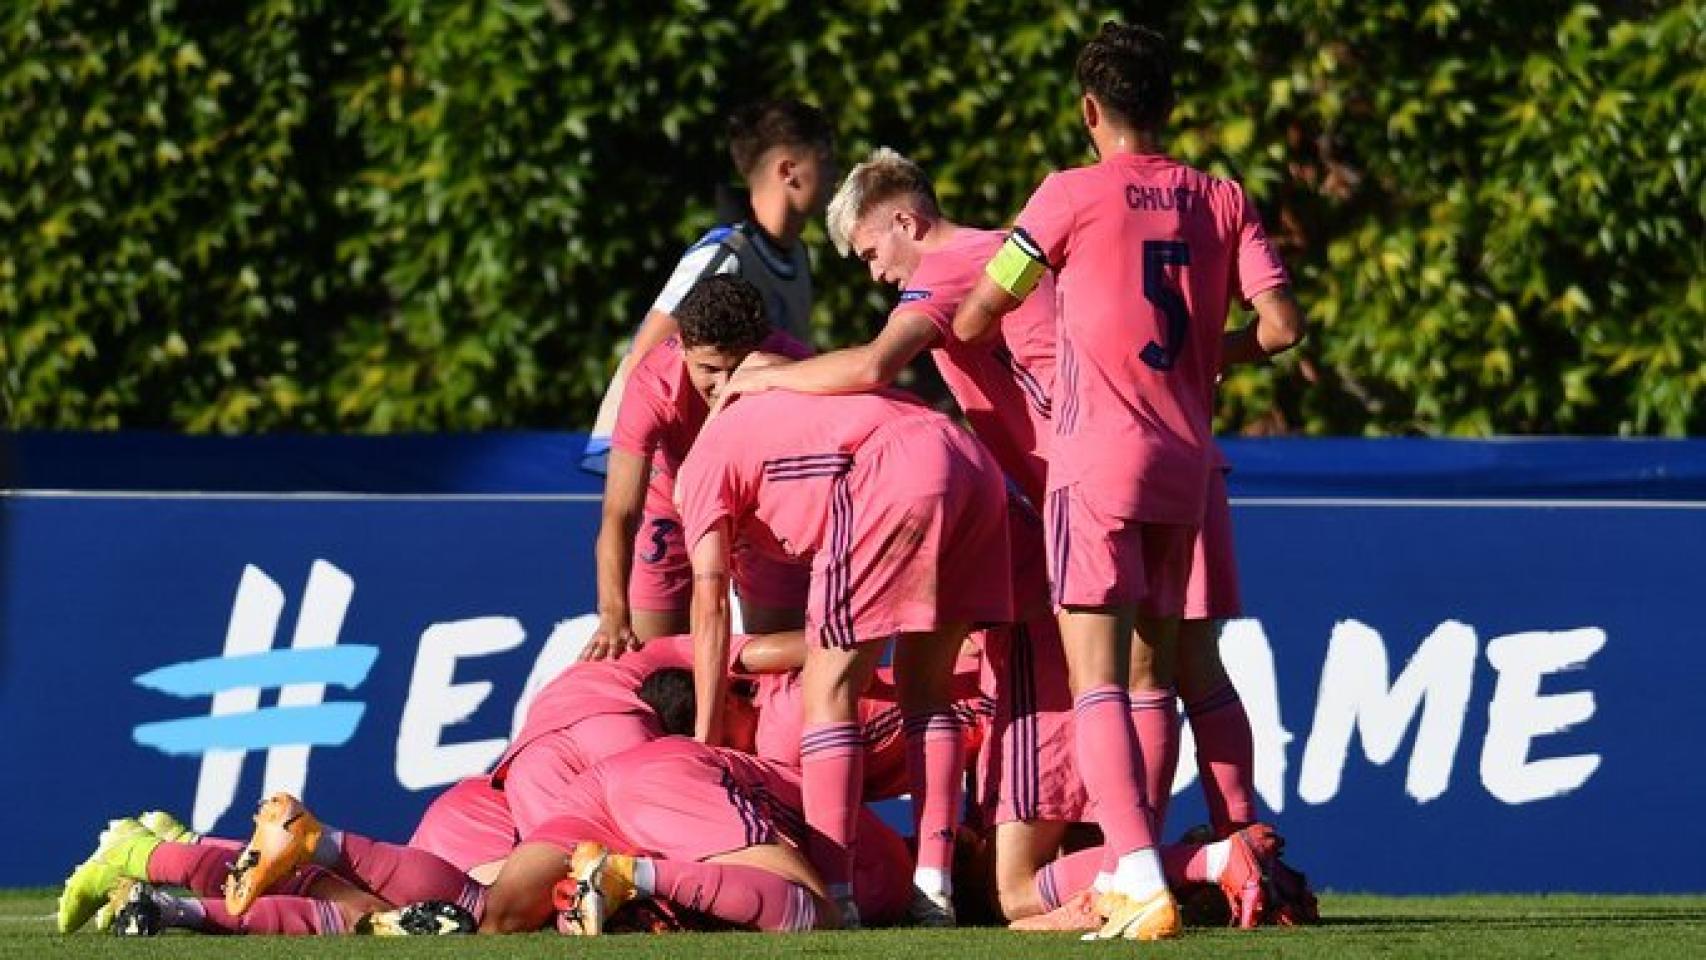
{"x":721,"y":235}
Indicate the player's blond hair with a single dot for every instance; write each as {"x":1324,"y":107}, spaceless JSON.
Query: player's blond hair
{"x":885,"y":175}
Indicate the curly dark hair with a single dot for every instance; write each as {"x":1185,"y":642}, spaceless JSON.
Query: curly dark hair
{"x":758,"y":126}
{"x":669,"y":692}
{"x":1129,"y":71}
{"x":725,"y":312}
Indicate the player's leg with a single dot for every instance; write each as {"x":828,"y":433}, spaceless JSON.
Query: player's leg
{"x":519,"y":901}
{"x":1097,"y":562}
{"x":832,"y":753}
{"x":1154,"y":709}
{"x":288,"y":836}
{"x":651,"y":624}
{"x":924,"y":666}
{"x":750,"y":888}
{"x":1226,"y":755}
{"x":1023,"y":851}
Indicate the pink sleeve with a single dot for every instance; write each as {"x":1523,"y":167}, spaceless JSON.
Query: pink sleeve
{"x":643,"y":412}
{"x":1048,"y":218}
{"x":705,"y":488}
{"x":1259,"y":267}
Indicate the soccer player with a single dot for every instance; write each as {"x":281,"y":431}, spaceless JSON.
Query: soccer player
{"x":902,"y":517}
{"x":886,"y":214}
{"x":1145,"y":252}
{"x":594,"y":711}
{"x":644,"y":580}
{"x":784,"y":151}
{"x":713,"y":829}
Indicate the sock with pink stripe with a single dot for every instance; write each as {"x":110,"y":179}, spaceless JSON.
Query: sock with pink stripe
{"x":198,"y":866}
{"x":1155,"y":723}
{"x":935,"y":761}
{"x":743,"y":895}
{"x":1112,"y":770}
{"x":1061,"y":880}
{"x":1226,"y":757}
{"x":832,"y":771}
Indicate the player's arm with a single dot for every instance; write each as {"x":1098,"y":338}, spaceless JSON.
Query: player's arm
{"x":1007,"y":280}
{"x":773,"y":652}
{"x":710,"y":631}
{"x":852,"y":370}
{"x":1279,"y":326}
{"x":624,"y":507}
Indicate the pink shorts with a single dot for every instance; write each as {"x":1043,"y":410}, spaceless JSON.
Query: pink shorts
{"x":672,"y":799}
{"x":1212,"y":593}
{"x":917,"y":539}
{"x":661,"y":577}
{"x":1100,"y":560}
{"x":1027,"y":770}
{"x":542,"y":773}
{"x":467,"y":825}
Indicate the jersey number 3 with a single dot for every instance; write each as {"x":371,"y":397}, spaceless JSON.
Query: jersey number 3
{"x":1158,"y":255}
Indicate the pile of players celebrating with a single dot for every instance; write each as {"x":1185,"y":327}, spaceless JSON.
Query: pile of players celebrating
{"x":1026,"y":601}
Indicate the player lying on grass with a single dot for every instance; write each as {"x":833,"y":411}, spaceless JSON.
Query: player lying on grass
{"x":710,"y":830}
{"x":644,"y":577}
{"x":901,"y":515}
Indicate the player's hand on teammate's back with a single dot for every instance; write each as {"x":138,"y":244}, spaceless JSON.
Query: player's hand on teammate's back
{"x":614,"y":637}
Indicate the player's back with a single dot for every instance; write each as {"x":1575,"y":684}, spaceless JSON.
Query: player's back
{"x":1150,"y":252}
{"x":777,"y":455}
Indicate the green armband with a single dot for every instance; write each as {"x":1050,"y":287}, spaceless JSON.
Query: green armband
{"x":1019,"y":264}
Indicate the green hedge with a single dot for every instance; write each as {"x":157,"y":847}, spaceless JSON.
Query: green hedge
{"x":321,"y":215}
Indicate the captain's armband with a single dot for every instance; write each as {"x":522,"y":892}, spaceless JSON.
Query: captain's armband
{"x":1019,"y":264}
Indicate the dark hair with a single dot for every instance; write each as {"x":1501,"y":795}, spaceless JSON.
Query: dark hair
{"x":757,"y":127}
{"x":1128,"y":70}
{"x":725,"y":312}
{"x":669,"y":692}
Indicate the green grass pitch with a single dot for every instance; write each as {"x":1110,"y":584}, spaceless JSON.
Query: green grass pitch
{"x":1457,"y":928}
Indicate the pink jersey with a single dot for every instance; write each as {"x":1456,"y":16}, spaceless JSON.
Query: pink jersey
{"x":1004,"y":386}
{"x":661,"y":414}
{"x":782,"y":459}
{"x":1147,"y":254}
{"x":595,"y":688}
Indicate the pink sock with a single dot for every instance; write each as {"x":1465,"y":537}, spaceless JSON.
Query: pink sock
{"x":1155,"y":722}
{"x":1226,"y":757}
{"x":200,"y":867}
{"x":832,"y":762}
{"x":1061,"y":880}
{"x":935,"y":761}
{"x":1112,"y":770}
{"x":272,"y":914}
{"x":401,"y":875}
{"x":740,"y":894}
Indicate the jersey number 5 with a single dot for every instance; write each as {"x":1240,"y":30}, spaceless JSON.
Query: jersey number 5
{"x":1158,"y":255}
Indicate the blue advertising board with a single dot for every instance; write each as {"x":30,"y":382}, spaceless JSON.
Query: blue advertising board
{"x":1470,"y":666}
